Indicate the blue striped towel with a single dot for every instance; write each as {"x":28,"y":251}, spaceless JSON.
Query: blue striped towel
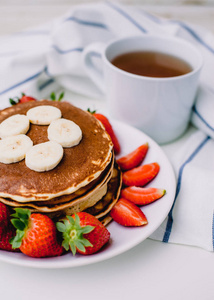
{"x":45,"y":58}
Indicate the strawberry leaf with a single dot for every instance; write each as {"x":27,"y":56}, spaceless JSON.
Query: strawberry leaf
{"x":16,"y":241}
{"x":12,"y":102}
{"x":60,"y":227}
{"x":79,"y":245}
{"x":87,"y":229}
{"x":71,"y":220}
{"x":91,"y":111}
{"x":73,"y":248}
{"x":61,"y":96}
{"x":86,"y":243}
{"x":65,"y":245}
{"x":53,"y":96}
{"x":18,"y":224}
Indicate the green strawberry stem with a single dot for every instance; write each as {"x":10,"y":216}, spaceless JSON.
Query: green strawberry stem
{"x":91,"y":111}
{"x":21,"y":222}
{"x":72,"y":233}
{"x":53,"y":96}
{"x":14,"y":101}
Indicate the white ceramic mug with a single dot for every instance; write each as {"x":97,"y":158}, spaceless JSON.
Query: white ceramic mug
{"x":160,"y":107}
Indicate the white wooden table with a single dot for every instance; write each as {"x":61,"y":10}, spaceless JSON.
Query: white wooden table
{"x":151,"y":270}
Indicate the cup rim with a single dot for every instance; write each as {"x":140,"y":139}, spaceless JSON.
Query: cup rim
{"x":153,"y":36}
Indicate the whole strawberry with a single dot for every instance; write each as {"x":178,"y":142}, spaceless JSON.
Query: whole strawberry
{"x":24,"y":98}
{"x":36,"y":234}
{"x":7,"y":234}
{"x":7,"y":231}
{"x":83,"y":233}
{"x":4,"y":217}
{"x":108,"y":127}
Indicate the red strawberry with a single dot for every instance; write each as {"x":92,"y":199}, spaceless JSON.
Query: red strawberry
{"x":109,"y":129}
{"x":140,"y":176}
{"x":83,"y":233}
{"x":126,"y":213}
{"x":36,"y":234}
{"x":142,"y":195}
{"x":133,"y":159}
{"x":4,"y":217}
{"x":8,"y":233}
{"x":23,"y":99}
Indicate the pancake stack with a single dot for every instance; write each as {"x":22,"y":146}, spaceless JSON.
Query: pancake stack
{"x":86,"y":179}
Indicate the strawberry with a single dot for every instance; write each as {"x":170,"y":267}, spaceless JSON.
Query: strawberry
{"x":4,"y":217}
{"x":142,"y":195}
{"x":126,"y":213}
{"x":8,"y":233}
{"x":142,"y":175}
{"x":23,"y":99}
{"x":108,"y":127}
{"x":36,"y":234}
{"x":133,"y":159}
{"x":83,"y":233}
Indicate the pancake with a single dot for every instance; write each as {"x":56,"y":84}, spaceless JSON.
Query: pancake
{"x":98,"y":204}
{"x":87,"y":178}
{"x":78,"y":203}
{"x":79,"y":166}
{"x":103,"y":207}
{"x":55,"y":204}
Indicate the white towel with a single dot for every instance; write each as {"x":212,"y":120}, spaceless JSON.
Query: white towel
{"x":45,"y":58}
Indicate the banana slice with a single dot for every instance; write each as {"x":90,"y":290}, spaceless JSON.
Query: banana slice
{"x":16,"y":124}
{"x":65,"y":132}
{"x":44,"y":157}
{"x":43,"y":114}
{"x":14,"y":148}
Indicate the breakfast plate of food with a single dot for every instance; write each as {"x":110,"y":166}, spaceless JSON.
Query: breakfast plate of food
{"x":78,"y":189}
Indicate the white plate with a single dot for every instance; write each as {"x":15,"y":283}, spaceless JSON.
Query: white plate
{"x":122,"y":238}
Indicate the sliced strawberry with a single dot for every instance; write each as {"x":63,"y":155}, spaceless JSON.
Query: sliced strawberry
{"x":109,"y":129}
{"x":140,"y":176}
{"x":133,"y":159}
{"x":126,"y":213}
{"x":142,"y":195}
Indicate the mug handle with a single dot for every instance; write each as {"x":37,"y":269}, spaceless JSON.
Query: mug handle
{"x":96,"y":74}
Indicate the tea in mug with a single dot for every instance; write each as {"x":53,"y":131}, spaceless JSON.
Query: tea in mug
{"x":151,"y":64}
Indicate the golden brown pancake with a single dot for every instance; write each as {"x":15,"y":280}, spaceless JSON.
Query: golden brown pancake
{"x":78,"y":201}
{"x":56,"y":203}
{"x":87,"y":179}
{"x":79,"y":166}
{"x":98,"y":203}
{"x":103,"y":207}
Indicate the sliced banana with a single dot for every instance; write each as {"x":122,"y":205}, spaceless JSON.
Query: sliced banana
{"x":44,"y":157}
{"x":14,"y":148}
{"x":43,"y":114}
{"x":16,"y":124}
{"x":65,"y":132}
